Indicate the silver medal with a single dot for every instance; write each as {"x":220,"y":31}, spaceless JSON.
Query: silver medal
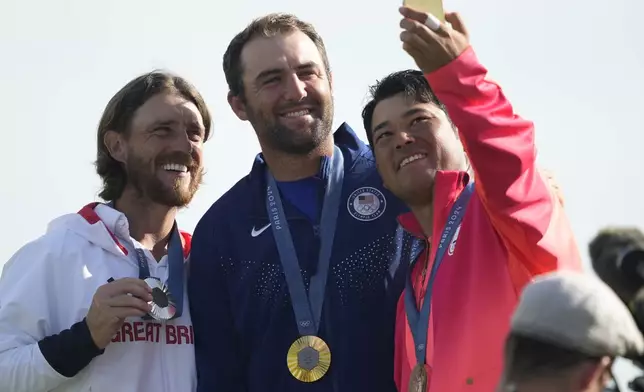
{"x":163,"y":306}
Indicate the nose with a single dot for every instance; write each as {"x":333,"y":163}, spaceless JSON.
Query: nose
{"x":183,"y":142}
{"x":402,"y":139}
{"x":295,"y":89}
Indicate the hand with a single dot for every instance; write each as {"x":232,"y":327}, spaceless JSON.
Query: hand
{"x":112,"y":304}
{"x":436,"y":47}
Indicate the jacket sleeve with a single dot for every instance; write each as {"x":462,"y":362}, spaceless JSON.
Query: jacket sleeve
{"x":523,"y":204}
{"x":217,"y":352}
{"x":25,"y":319}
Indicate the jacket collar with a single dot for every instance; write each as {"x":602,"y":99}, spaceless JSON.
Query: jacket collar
{"x":117,"y":225}
{"x":447,"y":186}
{"x":344,"y":137}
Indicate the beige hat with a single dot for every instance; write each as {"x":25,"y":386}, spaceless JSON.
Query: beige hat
{"x":579,"y":312}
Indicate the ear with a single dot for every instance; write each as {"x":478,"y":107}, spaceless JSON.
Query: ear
{"x":115,"y":144}
{"x":238,"y":106}
{"x":594,"y":373}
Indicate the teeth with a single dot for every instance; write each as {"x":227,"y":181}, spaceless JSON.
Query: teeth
{"x":175,"y":167}
{"x":298,"y":113}
{"x":411,"y":159}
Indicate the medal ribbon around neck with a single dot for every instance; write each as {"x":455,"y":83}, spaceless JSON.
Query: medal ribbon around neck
{"x":309,"y":358}
{"x":419,"y":320}
{"x":167,"y":299}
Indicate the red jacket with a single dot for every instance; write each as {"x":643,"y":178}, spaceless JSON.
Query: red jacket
{"x":513,"y":229}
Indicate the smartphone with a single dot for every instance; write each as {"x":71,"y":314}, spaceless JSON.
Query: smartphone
{"x":434,"y":7}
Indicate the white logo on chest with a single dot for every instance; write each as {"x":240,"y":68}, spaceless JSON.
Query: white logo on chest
{"x":254,"y":232}
{"x":452,"y":244}
{"x":366,"y":204}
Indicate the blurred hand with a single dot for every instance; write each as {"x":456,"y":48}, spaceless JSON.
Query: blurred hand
{"x":112,"y":304}
{"x":554,"y":184}
{"x":435,"y":47}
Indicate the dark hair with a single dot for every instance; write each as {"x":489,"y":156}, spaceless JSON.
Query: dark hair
{"x":118,"y":115}
{"x":528,"y":359}
{"x":410,"y":82}
{"x":266,"y":26}
{"x":605,"y":248}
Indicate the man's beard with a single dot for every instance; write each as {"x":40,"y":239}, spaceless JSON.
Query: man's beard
{"x":148,"y":184}
{"x":291,"y":141}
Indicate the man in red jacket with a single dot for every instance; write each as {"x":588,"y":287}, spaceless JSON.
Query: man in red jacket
{"x":481,"y":208}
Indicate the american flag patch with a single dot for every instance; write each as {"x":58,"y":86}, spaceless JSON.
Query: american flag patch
{"x":366,"y":199}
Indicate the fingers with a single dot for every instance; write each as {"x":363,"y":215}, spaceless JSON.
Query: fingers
{"x":127,"y":301}
{"x":123,"y":313}
{"x":417,"y":34}
{"x":133,"y":286}
{"x":412,"y":50}
{"x":409,"y":13}
{"x":457,"y":23}
{"x":433,"y":23}
{"x":429,"y":20}
{"x":413,"y":42}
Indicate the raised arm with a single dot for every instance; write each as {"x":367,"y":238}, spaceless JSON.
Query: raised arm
{"x":523,"y":204}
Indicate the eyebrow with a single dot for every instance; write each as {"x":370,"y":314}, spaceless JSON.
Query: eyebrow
{"x":276,"y":71}
{"x":162,"y":123}
{"x":408,"y":113}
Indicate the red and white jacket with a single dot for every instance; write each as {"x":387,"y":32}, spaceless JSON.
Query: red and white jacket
{"x":48,"y":285}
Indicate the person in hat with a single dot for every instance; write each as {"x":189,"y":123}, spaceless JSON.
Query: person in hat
{"x":565,"y":335}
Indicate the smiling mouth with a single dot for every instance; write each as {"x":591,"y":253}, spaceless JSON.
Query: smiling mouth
{"x":175,"y":167}
{"x":411,"y":159}
{"x":296,"y":113}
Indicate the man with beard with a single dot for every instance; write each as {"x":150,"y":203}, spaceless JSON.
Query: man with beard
{"x":98,"y":302}
{"x":300,"y":264}
{"x":488,"y":217}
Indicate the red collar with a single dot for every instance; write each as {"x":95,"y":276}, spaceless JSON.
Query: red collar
{"x":447,"y":186}
{"x":92,"y":218}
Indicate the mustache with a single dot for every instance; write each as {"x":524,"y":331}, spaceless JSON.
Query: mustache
{"x":314,"y":104}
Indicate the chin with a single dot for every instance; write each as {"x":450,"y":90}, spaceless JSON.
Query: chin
{"x":179,"y":196}
{"x":415,"y":191}
{"x":300,"y":140}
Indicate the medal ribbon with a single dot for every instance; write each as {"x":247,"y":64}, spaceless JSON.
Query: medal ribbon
{"x":176,"y":270}
{"x":419,"y":321}
{"x":307,"y":308}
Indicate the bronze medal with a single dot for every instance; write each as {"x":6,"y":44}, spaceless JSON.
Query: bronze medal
{"x":418,"y":379}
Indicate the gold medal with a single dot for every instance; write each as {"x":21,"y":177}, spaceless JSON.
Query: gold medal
{"x":418,"y":379}
{"x":309,"y":358}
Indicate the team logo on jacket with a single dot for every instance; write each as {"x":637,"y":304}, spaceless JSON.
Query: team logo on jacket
{"x":366,"y":204}
{"x":452,"y":244}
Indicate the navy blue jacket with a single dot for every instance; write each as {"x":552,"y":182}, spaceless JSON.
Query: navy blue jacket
{"x":240,"y":305}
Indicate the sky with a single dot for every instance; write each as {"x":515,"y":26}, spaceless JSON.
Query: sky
{"x":573,"y":67}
